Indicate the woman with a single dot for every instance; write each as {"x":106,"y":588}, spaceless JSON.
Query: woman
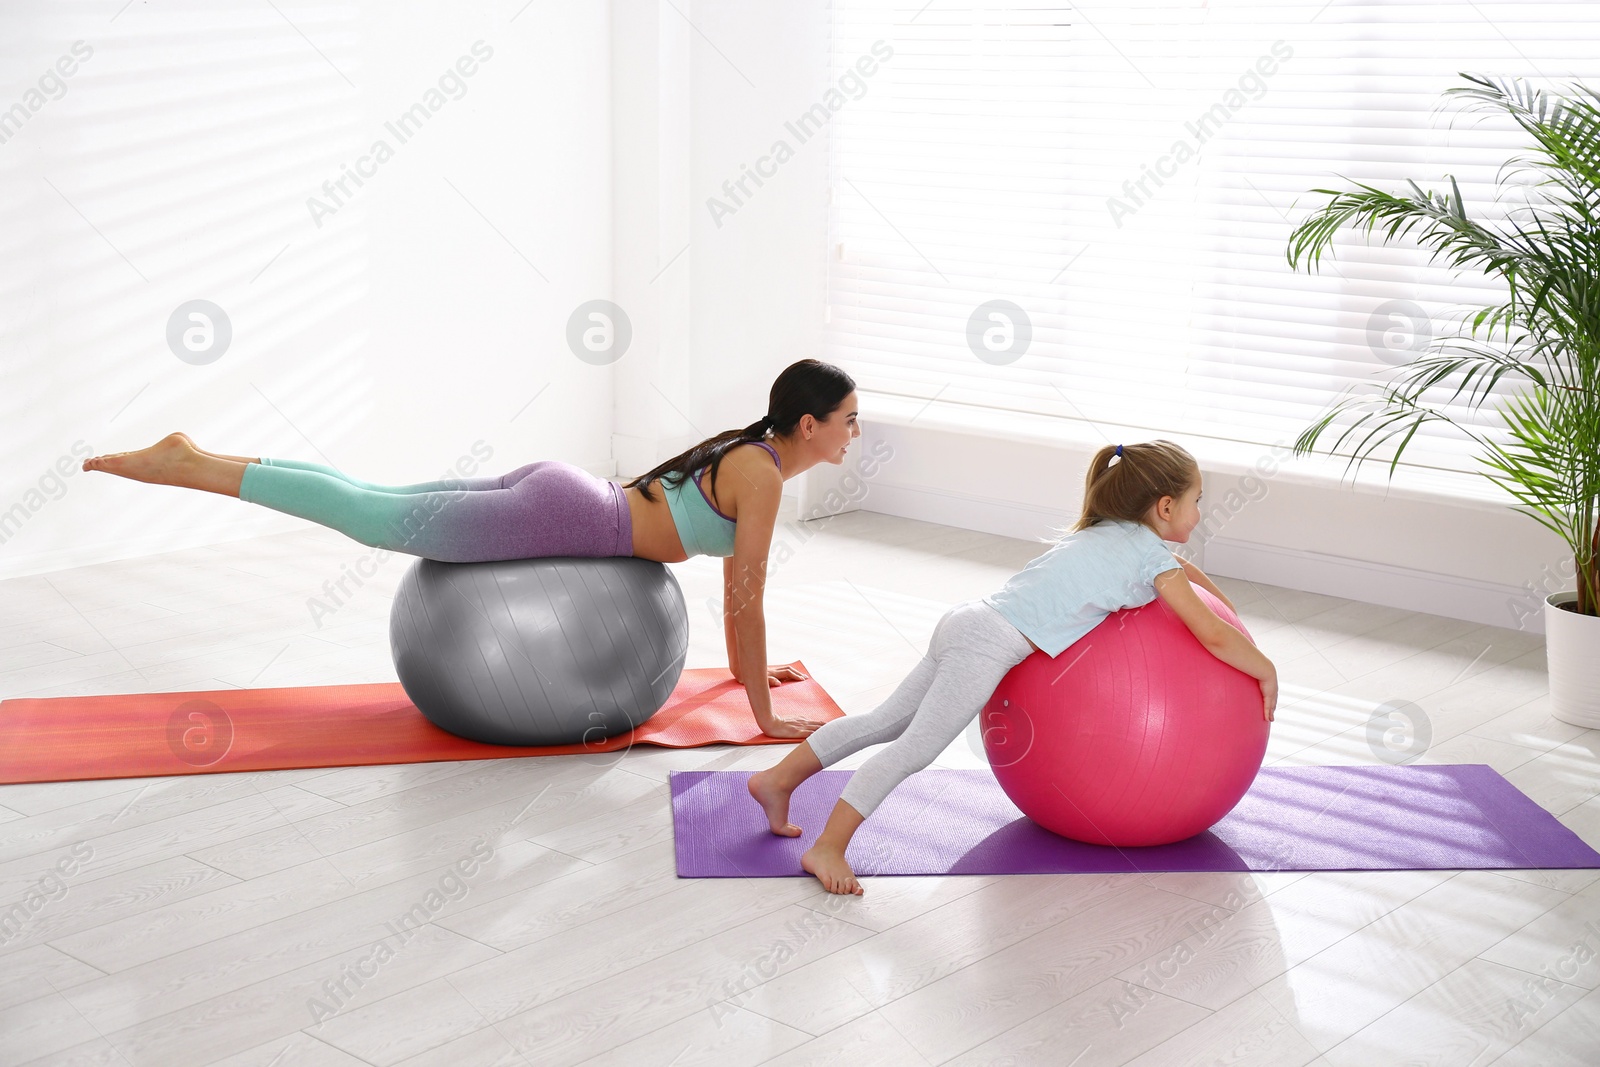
{"x":719,"y":498}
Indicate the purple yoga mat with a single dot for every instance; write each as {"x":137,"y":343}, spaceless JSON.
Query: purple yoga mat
{"x":1456,"y":817}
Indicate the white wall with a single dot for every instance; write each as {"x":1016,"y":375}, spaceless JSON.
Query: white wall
{"x":759,"y":275}
{"x":758,"y":294}
{"x":735,"y":303}
{"x":408,"y":327}
{"x":422,"y":316}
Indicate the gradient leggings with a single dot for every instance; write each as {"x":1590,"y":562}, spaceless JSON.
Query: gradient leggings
{"x":548,"y":508}
{"x":972,"y":648}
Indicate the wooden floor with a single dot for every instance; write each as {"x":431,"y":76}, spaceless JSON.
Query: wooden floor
{"x":248,"y":918}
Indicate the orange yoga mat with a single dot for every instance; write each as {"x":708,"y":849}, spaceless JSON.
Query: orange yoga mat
{"x":137,"y":735}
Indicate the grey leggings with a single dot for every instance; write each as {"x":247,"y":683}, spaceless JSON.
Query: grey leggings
{"x":972,"y":648}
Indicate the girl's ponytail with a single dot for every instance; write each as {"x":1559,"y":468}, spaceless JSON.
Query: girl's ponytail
{"x":1123,"y":481}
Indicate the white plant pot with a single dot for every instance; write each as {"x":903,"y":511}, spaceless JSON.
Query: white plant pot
{"x":1572,"y":649}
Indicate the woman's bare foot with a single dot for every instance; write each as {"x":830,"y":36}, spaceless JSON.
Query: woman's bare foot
{"x":173,"y":460}
{"x":831,"y":869}
{"x":163,"y":463}
{"x":216,"y":455}
{"x":774,"y":800}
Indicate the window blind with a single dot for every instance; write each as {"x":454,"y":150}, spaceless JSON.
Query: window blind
{"x":1127,"y":175}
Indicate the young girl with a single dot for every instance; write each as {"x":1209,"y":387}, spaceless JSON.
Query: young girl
{"x":1136,"y":496}
{"x":551,"y":508}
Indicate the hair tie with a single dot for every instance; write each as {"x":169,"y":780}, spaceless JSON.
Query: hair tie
{"x":1115,"y":459}
{"x":1119,"y":450}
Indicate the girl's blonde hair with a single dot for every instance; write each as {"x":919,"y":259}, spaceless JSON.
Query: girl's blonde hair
{"x":1125,"y":489}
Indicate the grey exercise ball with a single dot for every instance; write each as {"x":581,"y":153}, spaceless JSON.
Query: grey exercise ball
{"x":547,"y":651}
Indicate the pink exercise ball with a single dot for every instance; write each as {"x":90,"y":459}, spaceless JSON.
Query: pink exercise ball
{"x":1134,"y":735}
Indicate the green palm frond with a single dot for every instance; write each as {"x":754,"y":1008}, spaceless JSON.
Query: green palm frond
{"x":1566,"y":130}
{"x":1548,"y":254}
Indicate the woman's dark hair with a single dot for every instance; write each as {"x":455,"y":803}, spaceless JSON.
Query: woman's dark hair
{"x":807,"y":387}
{"x":1145,"y":472}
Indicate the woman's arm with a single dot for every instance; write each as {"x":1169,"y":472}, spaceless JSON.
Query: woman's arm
{"x":744,"y":617}
{"x":729,"y":634}
{"x":1221,"y":638}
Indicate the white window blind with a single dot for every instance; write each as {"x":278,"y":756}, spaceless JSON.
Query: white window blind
{"x":999,"y":155}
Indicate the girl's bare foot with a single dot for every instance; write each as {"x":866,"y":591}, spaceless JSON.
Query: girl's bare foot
{"x":163,"y":463}
{"x":831,"y":869}
{"x":774,"y":800}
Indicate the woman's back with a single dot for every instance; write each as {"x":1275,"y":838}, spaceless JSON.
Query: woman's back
{"x":703,"y":528}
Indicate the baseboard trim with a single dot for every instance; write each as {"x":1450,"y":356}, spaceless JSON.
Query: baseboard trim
{"x":1007,"y":518}
{"x":1470,"y":600}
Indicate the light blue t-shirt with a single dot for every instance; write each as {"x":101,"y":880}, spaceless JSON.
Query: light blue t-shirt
{"x":1066,"y":592}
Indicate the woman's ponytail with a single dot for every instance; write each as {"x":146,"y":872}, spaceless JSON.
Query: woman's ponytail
{"x":807,"y":387}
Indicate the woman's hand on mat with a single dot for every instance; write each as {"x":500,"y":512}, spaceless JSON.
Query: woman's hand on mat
{"x":779,"y":675}
{"x":1269,"y":696}
{"x":776,"y":727}
{"x":775,"y":675}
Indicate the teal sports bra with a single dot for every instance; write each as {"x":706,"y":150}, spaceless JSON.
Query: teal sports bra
{"x":703,"y":529}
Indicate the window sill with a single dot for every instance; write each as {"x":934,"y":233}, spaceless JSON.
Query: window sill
{"x":1428,"y":485}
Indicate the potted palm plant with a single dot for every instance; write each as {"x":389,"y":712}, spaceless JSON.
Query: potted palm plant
{"x":1548,"y":344}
